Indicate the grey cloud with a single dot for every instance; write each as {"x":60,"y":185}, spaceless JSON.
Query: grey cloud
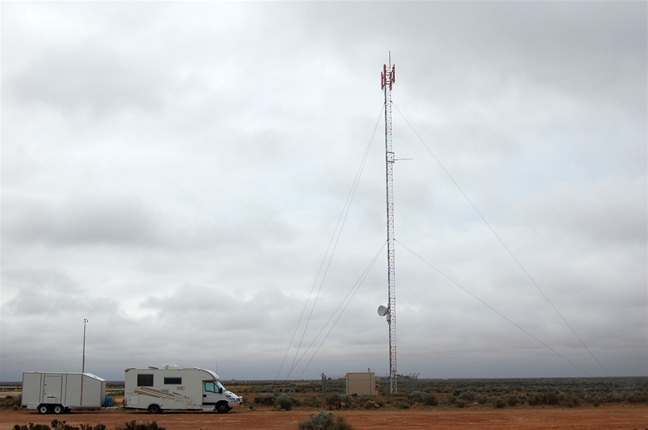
{"x":81,"y":219}
{"x":41,"y":292}
{"x":90,"y":77}
{"x":219,"y":308}
{"x":600,"y":210}
{"x":487,"y":49}
{"x":50,"y":293}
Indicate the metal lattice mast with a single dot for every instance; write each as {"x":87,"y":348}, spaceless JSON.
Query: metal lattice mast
{"x":387,"y":80}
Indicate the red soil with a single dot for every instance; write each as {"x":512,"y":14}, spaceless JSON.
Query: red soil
{"x":626,"y":417}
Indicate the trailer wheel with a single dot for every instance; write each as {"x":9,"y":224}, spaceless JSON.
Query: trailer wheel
{"x":43,"y":409}
{"x":154,"y":409}
{"x":57,"y":409}
{"x":222,"y":408}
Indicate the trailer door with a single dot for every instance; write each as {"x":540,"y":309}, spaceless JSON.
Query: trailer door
{"x":52,"y":389}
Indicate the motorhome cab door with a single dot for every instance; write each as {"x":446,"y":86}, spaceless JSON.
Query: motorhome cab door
{"x":212,"y":392}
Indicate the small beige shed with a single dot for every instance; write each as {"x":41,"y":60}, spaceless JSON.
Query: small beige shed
{"x":361,"y":383}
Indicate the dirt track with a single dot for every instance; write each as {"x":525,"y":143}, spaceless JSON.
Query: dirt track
{"x":626,"y":417}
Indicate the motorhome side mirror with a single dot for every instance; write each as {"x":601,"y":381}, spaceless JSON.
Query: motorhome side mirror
{"x":220,"y":390}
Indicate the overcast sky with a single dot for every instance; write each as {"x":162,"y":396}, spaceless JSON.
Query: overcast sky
{"x":174,"y":173}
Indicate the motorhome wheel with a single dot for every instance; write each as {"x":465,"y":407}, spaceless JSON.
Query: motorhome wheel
{"x":58,"y":409}
{"x":43,"y":409}
{"x":222,"y":408}
{"x":154,"y":409}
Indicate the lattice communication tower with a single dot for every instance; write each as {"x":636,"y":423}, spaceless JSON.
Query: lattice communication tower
{"x":387,"y":79}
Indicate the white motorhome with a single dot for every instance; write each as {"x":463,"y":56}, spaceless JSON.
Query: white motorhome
{"x":57,"y":392}
{"x":156,"y":389}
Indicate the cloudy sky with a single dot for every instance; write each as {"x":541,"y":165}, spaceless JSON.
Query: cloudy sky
{"x":175,"y":173}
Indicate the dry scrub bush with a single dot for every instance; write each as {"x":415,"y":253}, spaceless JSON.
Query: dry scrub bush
{"x":144,"y":426}
{"x":11,"y":402}
{"x":61,"y":425}
{"x":286,"y":403}
{"x":324,"y":421}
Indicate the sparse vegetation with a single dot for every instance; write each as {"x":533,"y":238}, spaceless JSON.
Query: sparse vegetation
{"x":32,"y":427}
{"x":286,"y":403}
{"x":11,"y":402}
{"x":512,"y":400}
{"x":133,"y":425}
{"x":416,"y":393}
{"x":325,"y":421}
{"x":572,"y":401}
{"x":61,"y":425}
{"x":465,"y":394}
{"x":265,"y":400}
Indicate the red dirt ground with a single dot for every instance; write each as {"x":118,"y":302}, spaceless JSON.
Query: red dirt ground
{"x":626,"y":417}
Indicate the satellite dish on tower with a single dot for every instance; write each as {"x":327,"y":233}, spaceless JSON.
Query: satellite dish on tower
{"x":382,"y":310}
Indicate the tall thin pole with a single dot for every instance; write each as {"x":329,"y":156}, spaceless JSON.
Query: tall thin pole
{"x":85,"y":322}
{"x":387,"y":80}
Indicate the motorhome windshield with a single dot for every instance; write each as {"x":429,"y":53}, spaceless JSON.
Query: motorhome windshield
{"x":214,"y":387}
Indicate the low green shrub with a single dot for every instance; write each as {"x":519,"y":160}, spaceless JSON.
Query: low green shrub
{"x":552,"y":398}
{"x":324,"y":421}
{"x":331,"y":399}
{"x":265,"y":400}
{"x":638,"y":397}
{"x":416,"y":396}
{"x":32,"y":427}
{"x":143,"y":426}
{"x":423,"y":398}
{"x":11,"y":402}
{"x":313,"y":401}
{"x":61,"y":425}
{"x":286,"y":403}
{"x":572,"y":401}
{"x":431,"y":399}
{"x":370,"y":404}
{"x":467,"y":396}
{"x":90,"y":427}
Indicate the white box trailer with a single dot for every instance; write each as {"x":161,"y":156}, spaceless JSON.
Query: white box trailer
{"x":156,"y":389}
{"x":57,"y":392}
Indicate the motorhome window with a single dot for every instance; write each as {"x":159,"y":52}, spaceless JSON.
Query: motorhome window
{"x":144,"y":380}
{"x":210,"y":387}
{"x":172,"y":381}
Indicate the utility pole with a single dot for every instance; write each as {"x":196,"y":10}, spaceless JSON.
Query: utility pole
{"x":387,"y":79}
{"x":85,"y":322}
